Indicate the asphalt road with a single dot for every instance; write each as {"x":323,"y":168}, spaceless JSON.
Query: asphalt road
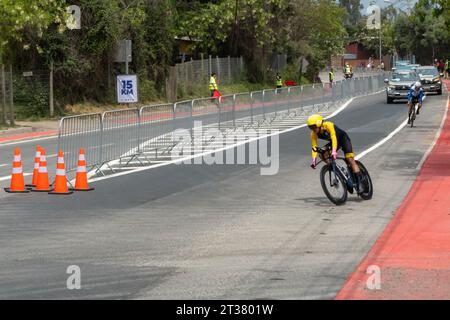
{"x":218,"y":231}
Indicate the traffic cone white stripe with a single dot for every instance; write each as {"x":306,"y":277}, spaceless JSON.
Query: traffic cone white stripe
{"x":82,"y":157}
{"x":17,"y":159}
{"x":36,"y":165}
{"x":60,"y":172}
{"x":81,"y":169}
{"x":60,"y":160}
{"x":42,"y":170}
{"x":17,"y":170}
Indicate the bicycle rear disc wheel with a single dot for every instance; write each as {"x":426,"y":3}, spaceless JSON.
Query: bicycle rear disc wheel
{"x":333,"y":184}
{"x":366,"y":181}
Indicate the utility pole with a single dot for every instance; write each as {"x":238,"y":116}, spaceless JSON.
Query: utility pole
{"x":126,"y":57}
{"x":381,"y":58}
{"x":51,"y":101}
{"x":3,"y":95}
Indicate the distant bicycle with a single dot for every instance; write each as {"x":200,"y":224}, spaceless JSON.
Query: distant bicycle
{"x":337,"y":179}
{"x":413,"y":114}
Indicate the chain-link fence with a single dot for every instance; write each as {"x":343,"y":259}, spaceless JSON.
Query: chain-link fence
{"x":185,"y":77}
{"x":23,"y":94}
{"x":32,"y":93}
{"x":148,"y":132}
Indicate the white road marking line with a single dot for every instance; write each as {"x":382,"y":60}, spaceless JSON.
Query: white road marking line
{"x":383,"y":141}
{"x":178,"y":161}
{"x":27,"y":141}
{"x":4,"y":165}
{"x":9,"y":177}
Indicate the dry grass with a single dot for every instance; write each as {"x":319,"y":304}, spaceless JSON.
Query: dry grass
{"x":81,"y":108}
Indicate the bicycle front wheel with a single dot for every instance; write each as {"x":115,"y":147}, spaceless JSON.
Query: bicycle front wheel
{"x":333,"y":184}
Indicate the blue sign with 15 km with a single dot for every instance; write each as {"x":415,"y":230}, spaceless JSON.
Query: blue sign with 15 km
{"x":127,"y":90}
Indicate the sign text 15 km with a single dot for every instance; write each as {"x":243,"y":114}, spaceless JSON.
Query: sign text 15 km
{"x":127,"y":89}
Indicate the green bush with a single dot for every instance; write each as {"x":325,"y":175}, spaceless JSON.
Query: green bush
{"x":147,"y":91}
{"x":31,"y":98}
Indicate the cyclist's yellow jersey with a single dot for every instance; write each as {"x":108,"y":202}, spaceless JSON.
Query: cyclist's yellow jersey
{"x":330,"y":133}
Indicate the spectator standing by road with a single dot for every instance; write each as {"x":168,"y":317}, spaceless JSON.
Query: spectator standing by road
{"x":213,"y":84}
{"x":279,"y":81}
{"x":331,"y":76}
{"x":441,"y":66}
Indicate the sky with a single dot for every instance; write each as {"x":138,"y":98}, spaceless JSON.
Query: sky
{"x":383,"y":4}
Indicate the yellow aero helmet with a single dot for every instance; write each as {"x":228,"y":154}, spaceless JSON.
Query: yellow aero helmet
{"x":315,"y":120}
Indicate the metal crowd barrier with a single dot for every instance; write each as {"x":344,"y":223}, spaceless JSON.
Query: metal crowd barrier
{"x":127,"y":134}
{"x":83,"y":131}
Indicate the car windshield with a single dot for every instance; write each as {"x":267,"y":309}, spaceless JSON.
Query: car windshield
{"x":428,"y":72}
{"x":397,"y":77}
{"x":404,"y":67}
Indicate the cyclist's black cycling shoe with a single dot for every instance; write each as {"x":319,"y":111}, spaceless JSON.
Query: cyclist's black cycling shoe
{"x":417,"y":113}
{"x":409,"y":121}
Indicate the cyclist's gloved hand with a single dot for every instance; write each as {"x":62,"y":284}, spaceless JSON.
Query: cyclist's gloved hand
{"x":334,"y":154}
{"x":313,"y":163}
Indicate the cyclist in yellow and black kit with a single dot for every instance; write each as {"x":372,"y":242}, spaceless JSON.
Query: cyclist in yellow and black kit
{"x":338,"y":139}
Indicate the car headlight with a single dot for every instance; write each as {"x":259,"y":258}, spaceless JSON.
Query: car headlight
{"x":438,"y":81}
{"x":390,"y":88}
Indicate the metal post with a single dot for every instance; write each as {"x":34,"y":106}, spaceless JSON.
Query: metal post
{"x":203,"y":68}
{"x":126,"y":58}
{"x":51,"y":102}
{"x":229,"y":69}
{"x":289,"y":99}
{"x":210,"y":66}
{"x":234,"y":108}
{"x":380,"y":46}
{"x":263,"y":104}
{"x":251,"y":107}
{"x":218,"y":68}
{"x":11,"y":97}
{"x":186,"y":76}
{"x":3,"y":95}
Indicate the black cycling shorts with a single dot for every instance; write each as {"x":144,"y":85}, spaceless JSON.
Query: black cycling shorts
{"x":346,"y":145}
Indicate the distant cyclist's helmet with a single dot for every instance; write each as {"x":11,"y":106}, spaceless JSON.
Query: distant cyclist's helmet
{"x":417,"y":85}
{"x":314,"y":121}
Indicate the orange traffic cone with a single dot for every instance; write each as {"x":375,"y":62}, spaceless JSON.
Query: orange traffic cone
{"x":17,"y":180}
{"x":37,"y":159}
{"x":42,"y":181}
{"x":81,"y":181}
{"x":60,"y":179}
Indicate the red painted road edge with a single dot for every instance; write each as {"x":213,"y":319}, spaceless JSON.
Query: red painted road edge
{"x":413,"y":252}
{"x":26,"y":136}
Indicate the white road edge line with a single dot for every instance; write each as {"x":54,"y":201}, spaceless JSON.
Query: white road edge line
{"x":177,"y":161}
{"x":436,"y":137}
{"x":383,"y":141}
{"x":27,"y":141}
{"x":9,"y":177}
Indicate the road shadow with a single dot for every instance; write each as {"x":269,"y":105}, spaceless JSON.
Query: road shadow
{"x":324,"y":202}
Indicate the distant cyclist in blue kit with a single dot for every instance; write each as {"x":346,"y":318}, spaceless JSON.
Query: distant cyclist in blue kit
{"x":415,"y":95}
